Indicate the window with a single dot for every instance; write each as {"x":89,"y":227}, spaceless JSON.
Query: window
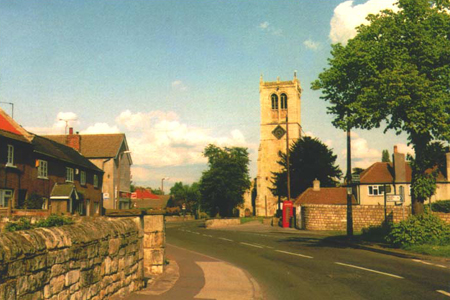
{"x":375,"y":190}
{"x":5,"y":197}
{"x":69,"y":174}
{"x":95,"y":181}
{"x":83,"y":178}
{"x":283,"y":101}
{"x":10,"y":160}
{"x":274,"y":101}
{"x":42,"y":169}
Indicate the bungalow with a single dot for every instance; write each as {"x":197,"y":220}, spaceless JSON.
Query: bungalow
{"x":33,"y":166}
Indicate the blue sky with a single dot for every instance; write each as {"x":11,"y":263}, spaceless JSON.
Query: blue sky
{"x":174,"y":75}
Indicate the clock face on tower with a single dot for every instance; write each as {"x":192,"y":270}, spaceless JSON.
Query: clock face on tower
{"x":279,"y":132}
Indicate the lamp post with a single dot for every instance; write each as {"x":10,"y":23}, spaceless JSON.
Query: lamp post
{"x":162,"y":183}
{"x":349,"y":187}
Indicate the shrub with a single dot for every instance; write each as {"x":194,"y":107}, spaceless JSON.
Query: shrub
{"x":441,"y":206}
{"x":54,"y":220}
{"x":419,"y":230}
{"x":34,"y":201}
{"x":22,"y":224}
{"x":376,"y":233}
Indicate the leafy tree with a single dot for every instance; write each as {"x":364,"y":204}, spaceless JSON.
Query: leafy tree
{"x":222,"y":186}
{"x":185,"y":194}
{"x":385,"y":156}
{"x":309,"y":159}
{"x":357,"y":171}
{"x":157,"y":191}
{"x":396,"y":73}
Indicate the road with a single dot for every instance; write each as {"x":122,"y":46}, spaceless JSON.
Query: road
{"x":300,"y":265}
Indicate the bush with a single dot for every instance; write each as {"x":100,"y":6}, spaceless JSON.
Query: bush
{"x":22,"y":224}
{"x":441,"y":206}
{"x":419,"y":230}
{"x":376,"y":233}
{"x":34,"y":201}
{"x":25,"y":223}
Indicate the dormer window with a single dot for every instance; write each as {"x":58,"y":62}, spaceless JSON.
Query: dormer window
{"x":274,"y":101}
{"x":10,"y":159}
{"x":283,"y":101}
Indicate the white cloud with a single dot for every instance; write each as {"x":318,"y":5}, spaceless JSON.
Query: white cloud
{"x":59,"y":125}
{"x":179,"y":85}
{"x":348,"y":16}
{"x":310,"y":44}
{"x":160,"y":139}
{"x":98,"y":128}
{"x":265,"y":26}
{"x":362,"y":155}
{"x":405,"y":149}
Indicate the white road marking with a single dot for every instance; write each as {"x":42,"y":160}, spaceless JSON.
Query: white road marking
{"x":251,"y":245}
{"x":443,"y":292}
{"x":195,"y":232}
{"x":430,"y":264}
{"x":296,"y":254}
{"x":224,"y":239}
{"x":370,"y":270}
{"x":207,"y":235}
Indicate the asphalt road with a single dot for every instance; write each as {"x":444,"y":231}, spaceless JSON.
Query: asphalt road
{"x":299,"y":265}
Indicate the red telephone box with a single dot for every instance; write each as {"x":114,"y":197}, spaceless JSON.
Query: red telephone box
{"x":288,"y":213}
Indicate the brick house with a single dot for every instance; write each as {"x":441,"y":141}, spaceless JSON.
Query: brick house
{"x":396,"y":177}
{"x":110,"y":153}
{"x":34,"y":165}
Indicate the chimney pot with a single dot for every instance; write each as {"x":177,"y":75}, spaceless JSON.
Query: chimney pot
{"x":316,"y":185}
{"x":395,"y":149}
{"x":70,"y":130}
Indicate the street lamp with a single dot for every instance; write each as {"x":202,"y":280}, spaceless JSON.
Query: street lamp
{"x":162,"y":183}
{"x":12,"y":108}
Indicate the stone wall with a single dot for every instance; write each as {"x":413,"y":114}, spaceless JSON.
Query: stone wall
{"x":154,"y":244}
{"x":334,"y":217}
{"x":216,"y":223}
{"x":93,"y":259}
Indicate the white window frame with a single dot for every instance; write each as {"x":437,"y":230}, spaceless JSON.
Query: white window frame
{"x":69,"y":174}
{"x":376,"y":190}
{"x":42,"y":169}
{"x":82,"y":177}
{"x":95,"y":181}
{"x":5,"y":197}
{"x":10,"y":156}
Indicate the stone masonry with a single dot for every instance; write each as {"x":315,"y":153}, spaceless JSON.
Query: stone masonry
{"x":154,"y":244}
{"x":92,"y":259}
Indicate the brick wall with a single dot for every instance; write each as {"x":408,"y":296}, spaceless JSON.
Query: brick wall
{"x":92,"y":259}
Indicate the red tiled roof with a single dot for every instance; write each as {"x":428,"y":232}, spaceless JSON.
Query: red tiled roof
{"x":336,"y":196}
{"x":142,"y":194}
{"x":7,"y":126}
{"x":383,"y":172}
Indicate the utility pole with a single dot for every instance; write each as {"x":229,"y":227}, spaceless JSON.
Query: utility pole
{"x":287,"y":155}
{"x":349,"y":187}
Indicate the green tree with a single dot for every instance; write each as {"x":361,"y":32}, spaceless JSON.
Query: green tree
{"x":222,"y":186}
{"x":385,"y":156}
{"x":357,"y":171}
{"x":396,"y":73}
{"x":185,"y":194}
{"x":309,"y":159}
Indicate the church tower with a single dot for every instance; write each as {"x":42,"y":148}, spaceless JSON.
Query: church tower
{"x":277,"y":99}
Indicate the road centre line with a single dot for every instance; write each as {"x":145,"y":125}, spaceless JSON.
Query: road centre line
{"x":207,"y":235}
{"x":195,"y":232}
{"x":252,"y":245}
{"x":430,"y":264}
{"x":224,"y":239}
{"x":443,"y":292}
{"x":370,"y":270}
{"x":292,"y":253}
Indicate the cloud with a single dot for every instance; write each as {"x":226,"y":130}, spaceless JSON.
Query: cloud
{"x":265,"y":26}
{"x":348,"y":16}
{"x":179,"y":85}
{"x":59,"y":125}
{"x":362,"y":155}
{"x":99,"y":128}
{"x":310,"y":44}
{"x":160,"y":139}
{"x":328,"y":143}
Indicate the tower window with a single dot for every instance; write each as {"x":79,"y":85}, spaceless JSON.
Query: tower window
{"x":283,"y":101}
{"x":274,"y":101}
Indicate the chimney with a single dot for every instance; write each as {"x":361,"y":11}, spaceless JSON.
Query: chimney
{"x":316,"y":185}
{"x":73,"y":140}
{"x":447,"y":161}
{"x":399,"y":166}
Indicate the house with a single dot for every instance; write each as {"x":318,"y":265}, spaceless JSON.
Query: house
{"x":144,"y":198}
{"x":34,"y":166}
{"x":395,"y":178}
{"x":110,"y":153}
{"x":324,"y":195}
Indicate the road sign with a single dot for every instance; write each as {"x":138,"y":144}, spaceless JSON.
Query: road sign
{"x":394,"y":198}
{"x":355,"y":178}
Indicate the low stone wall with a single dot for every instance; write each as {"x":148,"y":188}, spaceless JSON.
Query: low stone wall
{"x":179,"y":218}
{"x":216,"y":223}
{"x":154,"y":244}
{"x":93,"y":259}
{"x":444,"y":216}
{"x":334,"y":217}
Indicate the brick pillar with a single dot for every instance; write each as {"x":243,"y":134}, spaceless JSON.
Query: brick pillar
{"x":154,"y":244}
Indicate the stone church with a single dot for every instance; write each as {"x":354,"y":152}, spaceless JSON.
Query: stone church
{"x":278,"y":100}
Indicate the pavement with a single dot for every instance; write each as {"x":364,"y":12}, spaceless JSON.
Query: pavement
{"x":191,"y":275}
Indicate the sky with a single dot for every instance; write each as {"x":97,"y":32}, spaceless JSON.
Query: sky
{"x":175,"y":75}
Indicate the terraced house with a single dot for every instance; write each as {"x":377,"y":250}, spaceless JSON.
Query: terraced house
{"x":38,"y":173}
